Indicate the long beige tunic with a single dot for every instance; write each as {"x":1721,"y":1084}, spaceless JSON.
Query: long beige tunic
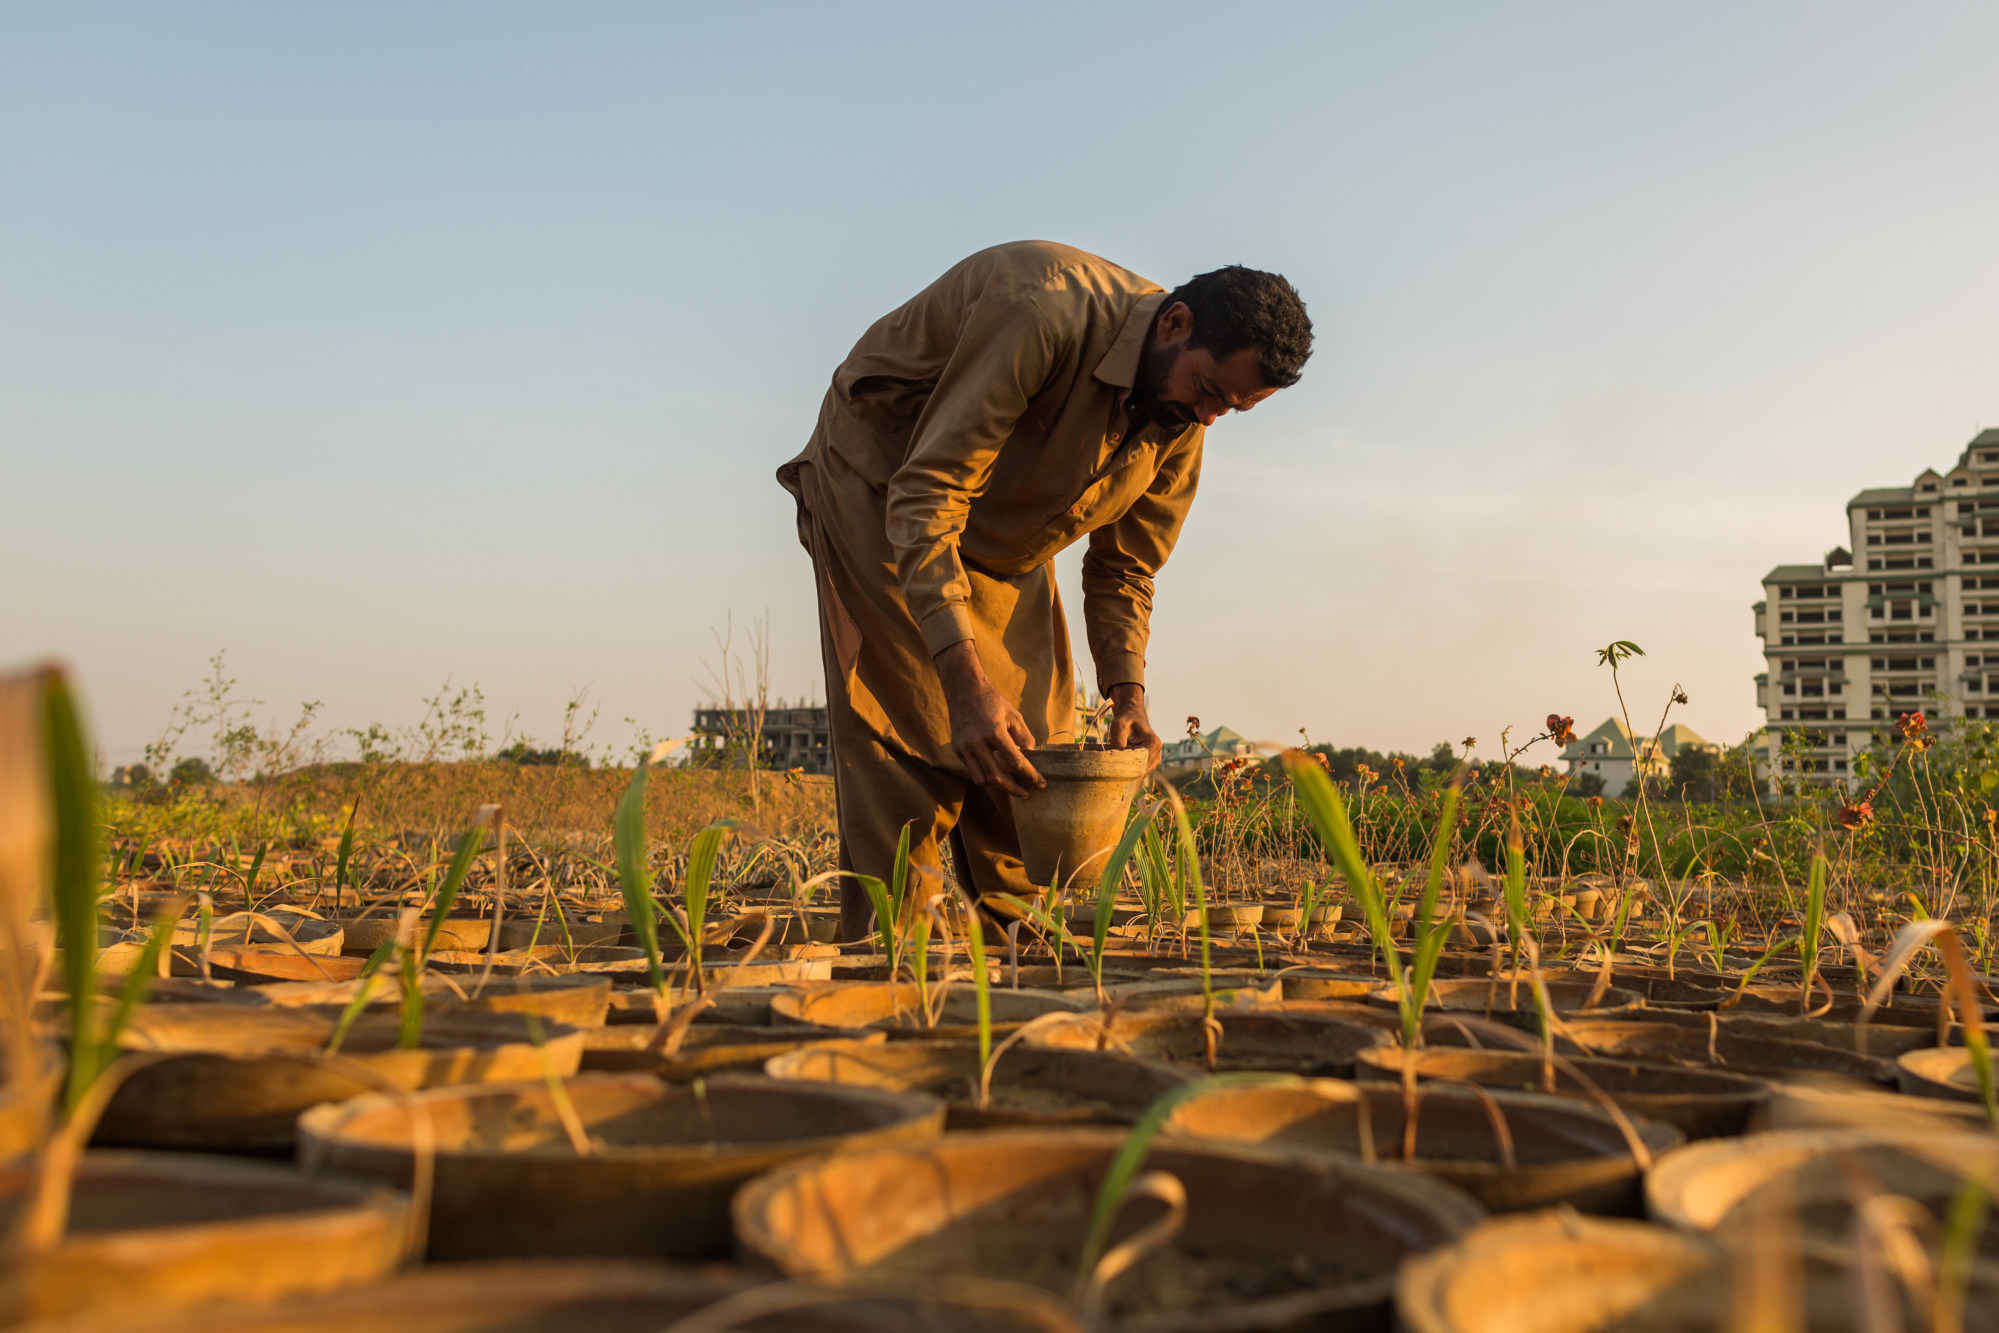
{"x":990,"y":415}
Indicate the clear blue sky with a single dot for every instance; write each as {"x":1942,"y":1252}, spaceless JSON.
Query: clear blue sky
{"x":376,"y":343}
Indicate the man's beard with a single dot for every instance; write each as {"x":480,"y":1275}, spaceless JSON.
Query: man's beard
{"x":1154,"y":369}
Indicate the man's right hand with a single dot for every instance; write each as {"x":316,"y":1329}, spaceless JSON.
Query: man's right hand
{"x":988,"y":733}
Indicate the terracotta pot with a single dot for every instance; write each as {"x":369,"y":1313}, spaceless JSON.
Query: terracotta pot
{"x":1797,"y":1106}
{"x":1317,"y":983}
{"x":1938,"y":1071}
{"x":1717,"y":1185}
{"x":1070,"y":826}
{"x":239,"y":1077}
{"x":1505,"y":1002}
{"x":230,"y":931}
{"x":613,"y":1296}
{"x":707,"y":1048}
{"x":1031,"y":1085}
{"x":1226,"y":916}
{"x":261,"y":967}
{"x":154,"y":1230}
{"x":1179,"y":991}
{"x":1882,"y":1040}
{"x":533,"y":928}
{"x":897,"y":1007}
{"x":367,"y":930}
{"x":1564,"y":1152}
{"x":665,"y":1158}
{"x":1270,"y":1241}
{"x":1759,"y":1057}
{"x":1550,"y":1273}
{"x":1281,"y":1042}
{"x":1701,"y":1103}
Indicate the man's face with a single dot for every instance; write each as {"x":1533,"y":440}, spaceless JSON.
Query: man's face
{"x":1179,"y":384}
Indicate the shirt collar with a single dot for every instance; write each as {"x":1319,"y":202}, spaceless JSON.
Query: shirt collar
{"x":1120,"y":365}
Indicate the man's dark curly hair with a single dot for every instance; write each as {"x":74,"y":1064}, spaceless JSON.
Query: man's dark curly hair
{"x":1237,"y":307}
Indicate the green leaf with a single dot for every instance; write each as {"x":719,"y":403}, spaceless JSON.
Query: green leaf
{"x":884,"y":915}
{"x":628,"y":837}
{"x":1814,"y":923}
{"x":701,"y":854}
{"x":1187,"y":862}
{"x":1516,"y":889}
{"x":1131,"y":1155}
{"x":1328,"y":814}
{"x":454,"y":879}
{"x":363,"y":994}
{"x":975,"y":940}
{"x":346,"y":851}
{"x":1107,"y":887}
{"x":899,"y":873}
{"x":1430,"y":935}
{"x":410,"y":1034}
{"x":78,"y":872}
{"x":250,"y":880}
{"x":1162,"y":875}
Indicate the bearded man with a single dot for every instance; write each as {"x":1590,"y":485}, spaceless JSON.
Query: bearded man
{"x":1031,"y":397}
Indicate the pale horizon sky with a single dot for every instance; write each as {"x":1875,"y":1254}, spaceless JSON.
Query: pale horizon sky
{"x":377,"y":344}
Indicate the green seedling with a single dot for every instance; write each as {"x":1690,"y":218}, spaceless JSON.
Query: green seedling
{"x":1107,"y":886}
{"x":888,"y":901}
{"x":1808,"y":943}
{"x":1321,"y":800}
{"x":1187,"y":867}
{"x":628,"y":839}
{"x":344,"y":857}
{"x":1323,"y":806}
{"x":1137,"y":1146}
{"x":1430,"y":933}
{"x":412,"y":959}
{"x":701,"y":854}
{"x":78,"y":869}
{"x":975,"y":940}
{"x":250,"y":880}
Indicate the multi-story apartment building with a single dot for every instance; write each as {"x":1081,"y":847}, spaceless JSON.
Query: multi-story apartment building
{"x":1908,"y":619}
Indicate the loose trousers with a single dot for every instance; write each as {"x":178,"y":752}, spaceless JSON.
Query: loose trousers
{"x":891,"y":733}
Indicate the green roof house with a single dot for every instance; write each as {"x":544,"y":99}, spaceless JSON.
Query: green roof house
{"x":1614,"y":754}
{"x":1194,"y":754}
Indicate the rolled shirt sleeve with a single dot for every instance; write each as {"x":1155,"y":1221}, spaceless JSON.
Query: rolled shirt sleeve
{"x":1004,"y":355}
{"x":1119,"y":565}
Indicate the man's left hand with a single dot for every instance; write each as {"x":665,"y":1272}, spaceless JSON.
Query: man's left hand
{"x":1130,"y":725}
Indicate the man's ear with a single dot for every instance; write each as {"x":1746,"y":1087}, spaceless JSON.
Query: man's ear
{"x":1175,"y":323}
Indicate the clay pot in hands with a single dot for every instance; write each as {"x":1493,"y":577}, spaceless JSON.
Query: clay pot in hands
{"x":1068,"y":828}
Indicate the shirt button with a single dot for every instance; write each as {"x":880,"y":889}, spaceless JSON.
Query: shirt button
{"x":1075,"y":511}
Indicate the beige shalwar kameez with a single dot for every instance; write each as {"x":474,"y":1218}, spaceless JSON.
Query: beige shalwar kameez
{"x":968,"y":437}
